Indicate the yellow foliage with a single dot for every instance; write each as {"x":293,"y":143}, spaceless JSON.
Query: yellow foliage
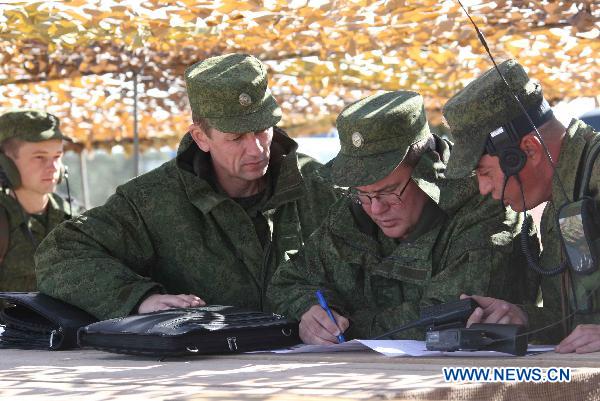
{"x":321,"y":54}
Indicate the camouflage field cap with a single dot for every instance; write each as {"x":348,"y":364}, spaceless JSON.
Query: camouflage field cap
{"x":30,"y":126}
{"x":375,"y":134}
{"x":231,"y":92}
{"x":481,"y":107}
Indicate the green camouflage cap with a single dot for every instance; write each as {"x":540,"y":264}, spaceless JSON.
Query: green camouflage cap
{"x":230,"y":91}
{"x":481,"y":107}
{"x":375,"y":135}
{"x":30,"y":126}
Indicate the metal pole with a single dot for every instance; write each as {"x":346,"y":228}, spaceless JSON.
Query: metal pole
{"x":84,"y":178}
{"x":136,"y":139}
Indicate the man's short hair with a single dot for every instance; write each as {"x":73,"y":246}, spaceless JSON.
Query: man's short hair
{"x":11,"y":147}
{"x":204,"y":125}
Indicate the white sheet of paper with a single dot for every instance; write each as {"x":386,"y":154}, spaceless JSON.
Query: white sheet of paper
{"x":396,"y":348}
{"x":353,"y":345}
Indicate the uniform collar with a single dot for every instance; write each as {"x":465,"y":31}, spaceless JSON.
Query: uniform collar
{"x":351,"y":222}
{"x":408,"y":260}
{"x":57,"y":209}
{"x":195,"y":171}
{"x":431,"y":217}
{"x":429,"y":171}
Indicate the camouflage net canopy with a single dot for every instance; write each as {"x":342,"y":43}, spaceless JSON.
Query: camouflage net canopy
{"x":77,"y":59}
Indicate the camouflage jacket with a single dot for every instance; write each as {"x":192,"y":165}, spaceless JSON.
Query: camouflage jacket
{"x":574,"y":149}
{"x":17,"y":272}
{"x":170,"y":231}
{"x":463,"y":244}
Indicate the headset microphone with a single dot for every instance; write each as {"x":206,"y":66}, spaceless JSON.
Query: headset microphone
{"x":65,"y":174}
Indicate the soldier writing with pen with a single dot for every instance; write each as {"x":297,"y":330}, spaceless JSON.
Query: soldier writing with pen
{"x":404,"y":237}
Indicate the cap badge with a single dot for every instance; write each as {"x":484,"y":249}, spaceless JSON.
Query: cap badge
{"x":357,"y":139}
{"x":245,"y":99}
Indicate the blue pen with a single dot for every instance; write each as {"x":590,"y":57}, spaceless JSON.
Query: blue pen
{"x":324,"y":305}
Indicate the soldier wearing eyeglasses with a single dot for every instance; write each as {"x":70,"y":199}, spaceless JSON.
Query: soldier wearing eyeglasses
{"x":403,"y":238}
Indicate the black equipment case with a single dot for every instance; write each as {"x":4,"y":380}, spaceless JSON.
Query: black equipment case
{"x":213,"y":329}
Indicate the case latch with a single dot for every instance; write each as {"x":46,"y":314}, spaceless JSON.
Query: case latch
{"x":232,"y":343}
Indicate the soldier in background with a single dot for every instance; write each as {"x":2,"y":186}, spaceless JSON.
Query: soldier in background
{"x":404,"y":238}
{"x":209,"y":226}
{"x":31,"y":150}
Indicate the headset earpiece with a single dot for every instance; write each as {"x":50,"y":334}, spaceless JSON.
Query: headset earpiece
{"x":512,"y":160}
{"x":504,"y":142}
{"x":10,"y":177}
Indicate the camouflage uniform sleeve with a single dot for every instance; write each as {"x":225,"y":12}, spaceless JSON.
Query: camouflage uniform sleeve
{"x":542,"y":317}
{"x":368,"y":323}
{"x":471,"y":265}
{"x":99,"y":261}
{"x":293,"y":286}
{"x":525,"y":288}
{"x":463,"y":273}
{"x":320,"y":194}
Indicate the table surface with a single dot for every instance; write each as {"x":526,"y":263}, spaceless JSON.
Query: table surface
{"x":332,"y":376}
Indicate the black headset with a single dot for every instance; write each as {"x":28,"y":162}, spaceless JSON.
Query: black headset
{"x":504,"y":142}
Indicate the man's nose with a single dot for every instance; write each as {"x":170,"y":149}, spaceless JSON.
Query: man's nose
{"x":55,"y":165}
{"x":253,"y":145}
{"x":377,"y":206}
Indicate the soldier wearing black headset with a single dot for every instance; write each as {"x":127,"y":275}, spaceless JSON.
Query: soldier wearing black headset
{"x":31,"y":149}
{"x":524,"y":168}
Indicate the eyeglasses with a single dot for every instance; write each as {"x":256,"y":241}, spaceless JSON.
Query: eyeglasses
{"x":389,"y":198}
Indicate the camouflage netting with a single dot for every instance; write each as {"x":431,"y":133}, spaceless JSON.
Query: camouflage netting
{"x":77,"y":59}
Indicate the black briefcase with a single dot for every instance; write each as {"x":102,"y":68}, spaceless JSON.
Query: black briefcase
{"x":30,"y":320}
{"x":213,"y":329}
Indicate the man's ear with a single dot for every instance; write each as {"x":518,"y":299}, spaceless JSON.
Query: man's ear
{"x":200,"y":137}
{"x":531,"y":145}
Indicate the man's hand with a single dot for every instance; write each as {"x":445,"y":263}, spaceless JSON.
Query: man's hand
{"x":492,"y":310}
{"x":317,"y":328}
{"x":585,"y":338}
{"x":158,"y":302}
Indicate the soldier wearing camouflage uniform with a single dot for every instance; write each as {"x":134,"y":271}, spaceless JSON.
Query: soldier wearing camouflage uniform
{"x":404,"y":237}
{"x":210,"y":225}
{"x":476,"y":112}
{"x":31,"y":149}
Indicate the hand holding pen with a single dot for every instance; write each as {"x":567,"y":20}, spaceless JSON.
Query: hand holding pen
{"x":317,"y":326}
{"x":322,"y":325}
{"x":325,"y":307}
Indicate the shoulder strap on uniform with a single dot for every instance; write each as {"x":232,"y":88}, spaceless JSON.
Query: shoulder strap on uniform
{"x":588,"y":168}
{"x":4,"y":233}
